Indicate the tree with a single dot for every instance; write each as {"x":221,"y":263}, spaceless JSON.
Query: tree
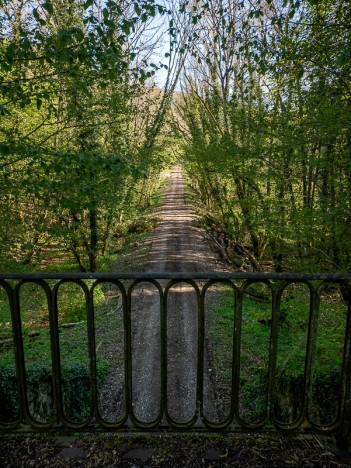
{"x":71,"y":75}
{"x":264,"y":113}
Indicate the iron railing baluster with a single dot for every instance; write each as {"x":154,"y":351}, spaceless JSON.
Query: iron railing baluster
{"x":272,"y":356}
{"x":238,"y":312}
{"x":140,"y":424}
{"x":163,"y":336}
{"x":20,"y":362}
{"x":8,"y":426}
{"x":92,"y":352}
{"x":177,"y":425}
{"x":310,"y":352}
{"x":200,"y":283}
{"x":344,"y":433}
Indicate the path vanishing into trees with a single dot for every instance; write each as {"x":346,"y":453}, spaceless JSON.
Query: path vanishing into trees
{"x":177,"y":245}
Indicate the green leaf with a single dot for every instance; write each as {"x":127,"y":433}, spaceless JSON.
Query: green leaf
{"x":137,"y":9}
{"x":126,"y":28}
{"x":4,"y":149}
{"x":36,"y":14}
{"x":79,"y":34}
{"x":111,"y":24}
{"x":48,"y":7}
{"x":3,"y":110}
{"x":38,"y":18}
{"x":87,"y":4}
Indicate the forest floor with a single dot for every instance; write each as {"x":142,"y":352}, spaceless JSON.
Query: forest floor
{"x":176,"y":245}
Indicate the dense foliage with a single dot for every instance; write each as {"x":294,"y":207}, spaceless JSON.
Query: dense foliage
{"x":80,"y":117}
{"x":263,"y":114}
{"x":265,"y":119}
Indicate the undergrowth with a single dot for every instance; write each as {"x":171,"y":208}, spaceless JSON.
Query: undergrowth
{"x":293,"y":326}
{"x":127,"y":253}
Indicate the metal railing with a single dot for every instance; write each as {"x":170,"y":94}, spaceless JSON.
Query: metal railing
{"x":270,"y":419}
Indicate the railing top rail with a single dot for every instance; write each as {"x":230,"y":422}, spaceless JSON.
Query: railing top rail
{"x":180,"y":276}
{"x":160,"y":311}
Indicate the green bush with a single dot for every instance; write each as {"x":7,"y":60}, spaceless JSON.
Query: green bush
{"x":75,"y":390}
{"x":142,"y":224}
{"x":8,"y":394}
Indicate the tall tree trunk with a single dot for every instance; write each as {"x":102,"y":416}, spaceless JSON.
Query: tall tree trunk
{"x":246,"y":211}
{"x":93,"y":239}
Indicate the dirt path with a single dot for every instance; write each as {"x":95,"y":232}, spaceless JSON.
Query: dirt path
{"x":177,"y":245}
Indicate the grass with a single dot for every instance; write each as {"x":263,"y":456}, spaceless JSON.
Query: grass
{"x":190,"y":194}
{"x":291,"y":351}
{"x":73,"y":340}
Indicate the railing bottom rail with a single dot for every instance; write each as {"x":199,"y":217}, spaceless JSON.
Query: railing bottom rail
{"x":322,"y":292}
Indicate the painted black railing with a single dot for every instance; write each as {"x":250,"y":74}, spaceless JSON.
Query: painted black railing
{"x":302,"y":419}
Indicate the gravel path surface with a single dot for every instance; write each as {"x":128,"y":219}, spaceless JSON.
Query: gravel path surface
{"x":177,"y":245}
